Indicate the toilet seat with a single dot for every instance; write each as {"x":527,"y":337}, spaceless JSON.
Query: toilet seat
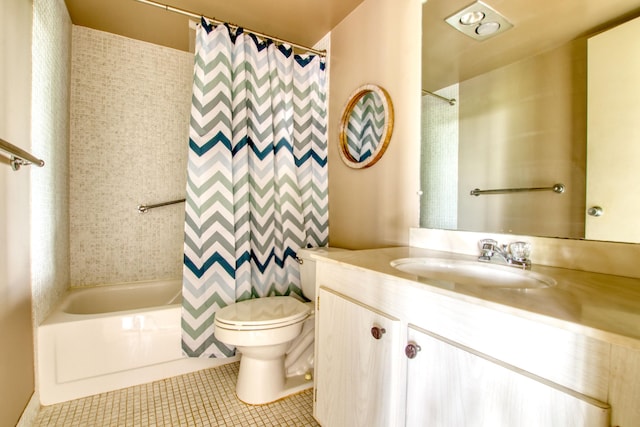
{"x":262,"y":313}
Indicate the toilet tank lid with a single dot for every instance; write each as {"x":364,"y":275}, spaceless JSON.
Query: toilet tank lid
{"x":306,"y":253}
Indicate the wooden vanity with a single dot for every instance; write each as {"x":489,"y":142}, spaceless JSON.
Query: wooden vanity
{"x":393,"y":349}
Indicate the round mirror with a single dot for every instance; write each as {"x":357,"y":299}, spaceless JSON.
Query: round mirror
{"x":366,"y":126}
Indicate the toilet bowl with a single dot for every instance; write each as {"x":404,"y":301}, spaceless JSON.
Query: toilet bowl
{"x":275,"y":338}
{"x":262,"y":329}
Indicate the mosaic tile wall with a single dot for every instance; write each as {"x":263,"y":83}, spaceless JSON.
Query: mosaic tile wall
{"x":439,"y":161}
{"x":51,"y":69}
{"x":130,"y":103}
{"x":50,"y":74}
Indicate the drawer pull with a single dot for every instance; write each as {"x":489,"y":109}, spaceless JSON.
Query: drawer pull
{"x":411,"y":350}
{"x":377,"y":332}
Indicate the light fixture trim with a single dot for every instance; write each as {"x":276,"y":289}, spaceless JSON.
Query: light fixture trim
{"x":491,"y":20}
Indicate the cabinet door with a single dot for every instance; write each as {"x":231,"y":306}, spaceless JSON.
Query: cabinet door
{"x":613,"y":131}
{"x":356,"y":374}
{"x":453,"y":386}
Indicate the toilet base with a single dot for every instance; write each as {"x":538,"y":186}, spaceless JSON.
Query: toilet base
{"x":293,"y":385}
{"x":263,"y":381}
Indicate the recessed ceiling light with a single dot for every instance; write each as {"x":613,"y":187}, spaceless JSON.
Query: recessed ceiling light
{"x":472,"y":17}
{"x":479,"y":21}
{"x":487,"y":28}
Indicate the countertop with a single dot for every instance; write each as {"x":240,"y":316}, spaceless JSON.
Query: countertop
{"x":603,"y":306}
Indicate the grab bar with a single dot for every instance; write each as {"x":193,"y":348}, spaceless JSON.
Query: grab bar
{"x":145,"y":208}
{"x":557,"y":188}
{"x":19,"y":157}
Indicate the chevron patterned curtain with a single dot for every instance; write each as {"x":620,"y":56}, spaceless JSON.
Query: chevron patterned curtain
{"x":366,"y":123}
{"x":257,"y":188}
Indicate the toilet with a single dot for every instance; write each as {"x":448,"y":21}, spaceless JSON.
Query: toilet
{"x":275,"y":337}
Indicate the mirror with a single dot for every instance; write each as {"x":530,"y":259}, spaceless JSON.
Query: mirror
{"x":365,"y":127}
{"x":520,"y":120}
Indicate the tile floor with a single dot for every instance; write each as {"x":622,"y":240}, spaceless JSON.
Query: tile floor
{"x":204,"y":398}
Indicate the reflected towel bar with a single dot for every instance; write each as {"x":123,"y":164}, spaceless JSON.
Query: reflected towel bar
{"x":557,"y":188}
{"x":451,"y":101}
{"x":145,"y":208}
{"x":19,"y":157}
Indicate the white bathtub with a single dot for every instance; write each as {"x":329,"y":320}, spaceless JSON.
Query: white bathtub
{"x":108,"y":337}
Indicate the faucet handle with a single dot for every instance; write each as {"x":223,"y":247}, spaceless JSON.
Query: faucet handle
{"x":520,"y":251}
{"x":487,"y":245}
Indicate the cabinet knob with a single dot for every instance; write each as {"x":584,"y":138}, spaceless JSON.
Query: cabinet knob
{"x":377,"y":332}
{"x":411,"y":350}
{"x":595,"y":211}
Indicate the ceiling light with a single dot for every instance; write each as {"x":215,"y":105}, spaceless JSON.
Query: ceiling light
{"x":487,"y":28}
{"x":472,"y":17}
{"x":479,"y":21}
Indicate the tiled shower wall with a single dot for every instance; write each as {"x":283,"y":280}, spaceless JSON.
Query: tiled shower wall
{"x":130,"y":103}
{"x":439,"y":160}
{"x":51,"y":70}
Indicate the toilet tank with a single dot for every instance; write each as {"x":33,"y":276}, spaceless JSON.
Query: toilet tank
{"x":308,"y":268}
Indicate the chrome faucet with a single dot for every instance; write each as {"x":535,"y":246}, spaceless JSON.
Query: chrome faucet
{"x":515,"y":254}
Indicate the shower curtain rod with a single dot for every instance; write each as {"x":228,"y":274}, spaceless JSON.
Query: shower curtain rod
{"x":451,"y":101}
{"x":218,"y":22}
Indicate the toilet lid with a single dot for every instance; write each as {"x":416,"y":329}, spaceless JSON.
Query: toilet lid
{"x":261,"y":313}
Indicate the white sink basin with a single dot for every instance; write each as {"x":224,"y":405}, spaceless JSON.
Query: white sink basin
{"x":473,"y":273}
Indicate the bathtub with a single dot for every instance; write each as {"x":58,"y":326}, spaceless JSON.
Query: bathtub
{"x":109,"y":337}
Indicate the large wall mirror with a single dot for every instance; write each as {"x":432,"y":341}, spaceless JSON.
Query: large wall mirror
{"x":525,"y":118}
{"x":366,"y":126}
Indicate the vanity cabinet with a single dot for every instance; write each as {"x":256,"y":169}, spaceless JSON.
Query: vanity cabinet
{"x":624,"y":388}
{"x":476,"y":365}
{"x":449,"y":385}
{"x":354,"y":374}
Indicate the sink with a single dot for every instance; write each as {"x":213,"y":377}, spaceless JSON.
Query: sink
{"x":473,"y":273}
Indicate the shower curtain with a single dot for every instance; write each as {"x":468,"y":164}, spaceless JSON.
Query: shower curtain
{"x":257,"y":187}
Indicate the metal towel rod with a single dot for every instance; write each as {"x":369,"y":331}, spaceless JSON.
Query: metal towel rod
{"x":451,"y":101}
{"x":145,"y":208}
{"x":557,"y":188}
{"x":19,"y":157}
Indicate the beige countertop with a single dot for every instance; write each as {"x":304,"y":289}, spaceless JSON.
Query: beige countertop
{"x":602,"y":306}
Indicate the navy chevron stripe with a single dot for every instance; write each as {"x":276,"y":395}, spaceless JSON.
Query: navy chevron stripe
{"x":321,"y":161}
{"x":216,"y":258}
{"x":200,"y":150}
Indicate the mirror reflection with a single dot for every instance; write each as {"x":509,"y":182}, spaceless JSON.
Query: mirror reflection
{"x":520,"y":122}
{"x":366,"y":126}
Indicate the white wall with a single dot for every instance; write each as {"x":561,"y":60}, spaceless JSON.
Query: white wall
{"x":130,"y":104}
{"x":16,"y":333}
{"x":378,"y":43}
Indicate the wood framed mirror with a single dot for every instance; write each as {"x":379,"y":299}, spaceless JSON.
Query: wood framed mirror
{"x":366,"y":126}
